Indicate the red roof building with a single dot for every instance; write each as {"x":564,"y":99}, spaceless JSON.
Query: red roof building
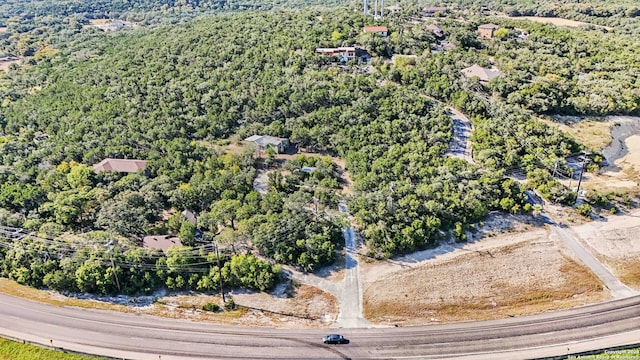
{"x":382,"y":30}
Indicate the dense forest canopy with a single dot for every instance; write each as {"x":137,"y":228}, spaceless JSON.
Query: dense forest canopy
{"x":181,"y":96}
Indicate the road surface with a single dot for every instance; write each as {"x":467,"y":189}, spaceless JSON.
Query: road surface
{"x":131,"y":336}
{"x":348,"y":291}
{"x":350,"y":298}
{"x":617,"y":288}
{"x":460,"y":145}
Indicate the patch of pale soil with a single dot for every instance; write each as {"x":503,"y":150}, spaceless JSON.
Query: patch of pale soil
{"x":334,"y":272}
{"x":495,"y":223}
{"x":628,"y":176}
{"x":614,"y":241}
{"x":301,"y":306}
{"x":512,"y":273}
{"x":6,"y":62}
{"x":554,"y":21}
{"x":592,"y":132}
{"x":631,"y":161}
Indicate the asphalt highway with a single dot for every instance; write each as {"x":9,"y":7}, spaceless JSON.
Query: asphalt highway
{"x":131,"y":336}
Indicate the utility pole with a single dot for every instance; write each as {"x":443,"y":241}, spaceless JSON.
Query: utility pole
{"x":555,"y":168}
{"x":315,"y":202}
{"x":113,"y":265}
{"x":584,"y":162}
{"x":219,"y":273}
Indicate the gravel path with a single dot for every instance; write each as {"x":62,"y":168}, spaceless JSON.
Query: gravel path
{"x":460,"y":145}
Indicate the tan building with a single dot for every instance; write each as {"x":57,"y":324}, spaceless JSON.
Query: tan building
{"x":485,"y":31}
{"x":120,"y":165}
{"x":483,"y":74}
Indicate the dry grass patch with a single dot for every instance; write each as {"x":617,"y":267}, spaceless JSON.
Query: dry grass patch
{"x":523,"y":278}
{"x":300,"y":306}
{"x":53,"y":298}
{"x":628,"y":271}
{"x":594,"y":133}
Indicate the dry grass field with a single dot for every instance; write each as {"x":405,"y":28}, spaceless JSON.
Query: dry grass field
{"x":514,"y":273}
{"x":554,"y":21}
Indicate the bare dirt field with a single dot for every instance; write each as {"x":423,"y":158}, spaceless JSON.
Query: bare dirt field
{"x":521,"y":271}
{"x":295,"y":306}
{"x":554,"y":21}
{"x":616,"y":244}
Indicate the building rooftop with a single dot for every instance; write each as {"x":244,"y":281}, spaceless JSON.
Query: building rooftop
{"x":375,"y":29}
{"x":483,"y":73}
{"x":489,"y":26}
{"x":120,"y":165}
{"x":162,"y":242}
{"x":434,"y":9}
{"x":265,"y":140}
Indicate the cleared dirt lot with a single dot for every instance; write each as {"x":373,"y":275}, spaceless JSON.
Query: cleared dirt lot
{"x":522,"y":271}
{"x":554,"y":21}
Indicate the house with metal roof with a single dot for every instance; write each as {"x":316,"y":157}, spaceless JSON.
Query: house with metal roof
{"x":280,"y":145}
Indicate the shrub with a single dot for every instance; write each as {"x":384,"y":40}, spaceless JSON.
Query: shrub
{"x":230,"y":305}
{"x":211,"y":307}
{"x":584,"y":210}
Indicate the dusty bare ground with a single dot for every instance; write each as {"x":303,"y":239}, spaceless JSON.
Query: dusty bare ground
{"x":296,"y":306}
{"x":299,"y":306}
{"x":623,"y":173}
{"x":555,"y":21}
{"x":615,"y":243}
{"x":6,"y":62}
{"x":522,"y":271}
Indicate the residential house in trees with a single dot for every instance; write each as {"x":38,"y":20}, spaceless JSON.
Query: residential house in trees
{"x":280,"y":145}
{"x":162,"y":242}
{"x":120,"y":165}
{"x":432,"y":10}
{"x":484,"y":74}
{"x":486,"y":31}
{"x":380,"y":30}
{"x":435,"y":29}
{"x":342,"y":53}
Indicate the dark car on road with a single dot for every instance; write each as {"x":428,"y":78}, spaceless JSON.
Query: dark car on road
{"x":335,"y":339}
